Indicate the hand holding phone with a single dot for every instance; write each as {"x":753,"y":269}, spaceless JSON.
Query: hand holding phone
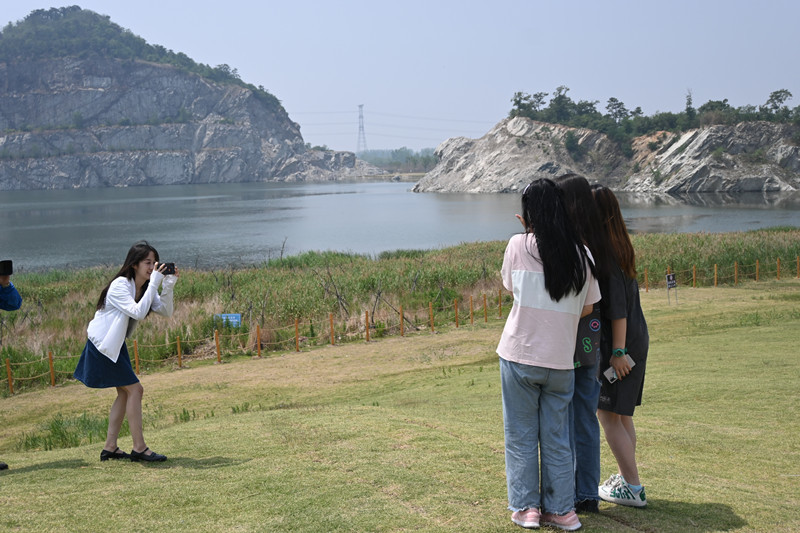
{"x":611,"y":374}
{"x":169,"y":268}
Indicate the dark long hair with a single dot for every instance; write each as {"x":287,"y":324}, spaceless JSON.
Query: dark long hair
{"x":585,"y":216}
{"x":138,"y":252}
{"x":562,"y":254}
{"x":617,"y":231}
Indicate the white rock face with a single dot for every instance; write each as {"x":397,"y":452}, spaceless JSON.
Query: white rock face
{"x":67,"y":123}
{"x":747,"y":157}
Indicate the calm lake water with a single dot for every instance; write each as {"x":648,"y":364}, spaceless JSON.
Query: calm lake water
{"x":216,"y":225}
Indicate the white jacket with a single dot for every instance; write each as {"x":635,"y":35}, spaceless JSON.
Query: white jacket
{"x":117,"y":320}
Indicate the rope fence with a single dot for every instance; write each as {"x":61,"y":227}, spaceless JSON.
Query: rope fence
{"x":300,"y":335}
{"x":732,"y":274}
{"x":304,"y":334}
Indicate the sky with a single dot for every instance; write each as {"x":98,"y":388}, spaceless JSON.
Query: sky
{"x":428,"y":70}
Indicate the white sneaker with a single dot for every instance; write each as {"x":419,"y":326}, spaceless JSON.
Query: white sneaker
{"x":616,"y":490}
{"x":610,"y":481}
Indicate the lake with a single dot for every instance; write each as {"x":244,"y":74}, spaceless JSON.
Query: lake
{"x":217,"y":225}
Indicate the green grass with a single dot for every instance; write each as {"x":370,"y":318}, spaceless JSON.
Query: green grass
{"x":406,"y":434}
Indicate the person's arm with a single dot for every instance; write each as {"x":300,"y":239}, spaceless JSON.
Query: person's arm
{"x":619,"y":331}
{"x":119,"y":296}
{"x":163,"y":303}
{"x":10,"y":300}
{"x":505,"y":270}
{"x":587,"y":310}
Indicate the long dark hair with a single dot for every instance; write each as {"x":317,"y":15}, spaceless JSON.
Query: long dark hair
{"x":617,"y":231}
{"x":138,"y":252}
{"x":585,"y":216}
{"x":562,"y":253}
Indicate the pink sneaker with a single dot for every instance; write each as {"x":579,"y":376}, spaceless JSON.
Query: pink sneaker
{"x":567,"y":522}
{"x":529,"y":518}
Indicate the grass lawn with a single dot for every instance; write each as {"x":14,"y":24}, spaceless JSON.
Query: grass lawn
{"x":406,"y":434}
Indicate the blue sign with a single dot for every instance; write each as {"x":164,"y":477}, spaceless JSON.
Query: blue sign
{"x":232,"y":320}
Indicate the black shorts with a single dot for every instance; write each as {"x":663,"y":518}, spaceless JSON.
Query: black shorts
{"x":622,"y":396}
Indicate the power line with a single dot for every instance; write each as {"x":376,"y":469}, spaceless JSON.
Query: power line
{"x":395,"y":115}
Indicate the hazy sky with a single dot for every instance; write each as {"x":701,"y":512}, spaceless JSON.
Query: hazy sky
{"x":427,"y":70}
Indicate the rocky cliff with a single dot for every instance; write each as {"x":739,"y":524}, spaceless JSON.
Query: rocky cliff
{"x":746,"y":157}
{"x":69,"y":122}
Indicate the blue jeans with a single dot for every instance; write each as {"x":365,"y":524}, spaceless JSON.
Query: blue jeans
{"x":585,"y":433}
{"x":536,"y":412}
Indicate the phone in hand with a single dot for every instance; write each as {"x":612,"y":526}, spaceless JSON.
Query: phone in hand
{"x":169,"y":268}
{"x":611,"y":374}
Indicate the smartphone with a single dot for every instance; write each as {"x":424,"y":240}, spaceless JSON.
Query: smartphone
{"x":169,"y":268}
{"x":611,"y":374}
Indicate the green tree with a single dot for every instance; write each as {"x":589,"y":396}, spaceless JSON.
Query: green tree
{"x":561,"y":107}
{"x":777,"y":99}
{"x":616,"y":110}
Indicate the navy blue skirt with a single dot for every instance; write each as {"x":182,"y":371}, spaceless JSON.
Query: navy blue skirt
{"x":99,"y":372}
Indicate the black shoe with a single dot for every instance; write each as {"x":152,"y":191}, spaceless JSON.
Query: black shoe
{"x":105,"y":455}
{"x":3,"y":466}
{"x":587,"y":506}
{"x":142,"y":456}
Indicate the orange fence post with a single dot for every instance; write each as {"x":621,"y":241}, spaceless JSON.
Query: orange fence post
{"x":646,"y":282}
{"x":757,"y":269}
{"x":216,"y":340}
{"x":779,"y":268}
{"x":485,"y":310}
{"x":258,"y":340}
{"x":296,"y":334}
{"x":694,"y":276}
{"x":430,"y":310}
{"x":471,"y":309}
{"x":500,"y":303}
{"x":10,"y":379}
{"x":736,"y":273}
{"x":332,"y":334}
{"x":136,"y":354}
{"x":456,"y":306}
{"x":401,"y":321}
{"x":366,"y":322}
{"x":52,"y":370}
{"x":715,"y":274}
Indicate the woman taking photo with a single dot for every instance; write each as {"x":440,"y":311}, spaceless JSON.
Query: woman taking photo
{"x":105,"y":363}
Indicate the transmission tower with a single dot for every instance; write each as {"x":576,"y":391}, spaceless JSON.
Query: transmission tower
{"x":361,"y":145}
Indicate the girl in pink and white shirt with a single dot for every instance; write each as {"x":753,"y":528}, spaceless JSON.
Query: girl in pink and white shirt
{"x":551,"y":275}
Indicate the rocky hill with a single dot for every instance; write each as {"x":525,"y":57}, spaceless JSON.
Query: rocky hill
{"x":746,"y":157}
{"x":88,"y":120}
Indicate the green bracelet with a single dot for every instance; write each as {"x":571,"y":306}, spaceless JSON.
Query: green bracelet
{"x":619,"y":352}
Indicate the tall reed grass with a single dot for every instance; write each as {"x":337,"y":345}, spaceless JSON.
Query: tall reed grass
{"x":311,"y":286}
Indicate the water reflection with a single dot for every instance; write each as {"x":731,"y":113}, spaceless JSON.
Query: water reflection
{"x":782,"y":200}
{"x":216,"y":225}
{"x":709,"y":212}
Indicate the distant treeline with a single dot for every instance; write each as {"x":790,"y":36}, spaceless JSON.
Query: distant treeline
{"x":622,"y":125}
{"x":401,"y":160}
{"x":75,"y":32}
